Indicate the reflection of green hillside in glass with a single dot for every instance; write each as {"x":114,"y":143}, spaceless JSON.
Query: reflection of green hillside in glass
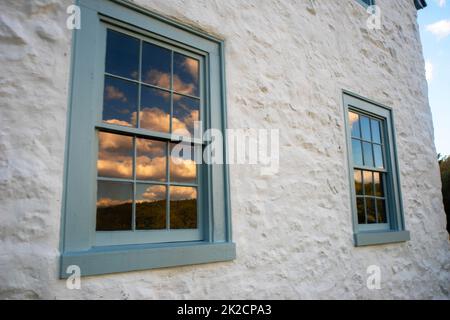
{"x":183,"y":214}
{"x":114,"y":218}
{"x":149,"y":216}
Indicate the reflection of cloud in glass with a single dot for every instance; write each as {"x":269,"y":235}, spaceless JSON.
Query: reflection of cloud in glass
{"x":182,"y":164}
{"x":119,"y":101}
{"x":353,"y":117}
{"x":354,"y":124}
{"x":153,"y":193}
{"x":191,"y":65}
{"x":162,"y":80}
{"x":108,"y":202}
{"x":115,"y":156}
{"x":155,"y":110}
{"x":368,"y":183}
{"x":151,"y":160}
{"x":157,"y":78}
{"x":182,"y":193}
{"x":187,"y":111}
{"x":118,"y":122}
{"x":112,"y":93}
{"x":156,"y":120}
{"x":156,"y":65}
{"x":187,"y":71}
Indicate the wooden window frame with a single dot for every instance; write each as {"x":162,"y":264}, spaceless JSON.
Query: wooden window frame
{"x":396,"y":231}
{"x":79,"y":245}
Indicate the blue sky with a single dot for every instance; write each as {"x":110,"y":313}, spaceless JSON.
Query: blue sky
{"x":434,"y":24}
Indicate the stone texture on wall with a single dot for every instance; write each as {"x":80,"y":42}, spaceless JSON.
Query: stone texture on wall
{"x":287,"y":62}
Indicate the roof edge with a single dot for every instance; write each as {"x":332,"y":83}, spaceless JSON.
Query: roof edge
{"x":420,"y":4}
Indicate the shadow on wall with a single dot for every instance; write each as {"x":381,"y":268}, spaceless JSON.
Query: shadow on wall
{"x":444,"y":165}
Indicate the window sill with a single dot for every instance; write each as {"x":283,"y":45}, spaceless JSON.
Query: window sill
{"x":376,"y":238}
{"x":115,"y":259}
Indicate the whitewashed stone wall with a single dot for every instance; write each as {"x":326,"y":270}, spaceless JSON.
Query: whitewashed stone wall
{"x":287,"y":61}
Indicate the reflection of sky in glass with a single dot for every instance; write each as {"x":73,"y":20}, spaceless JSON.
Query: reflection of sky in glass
{"x":116,"y":151}
{"x":378,"y":155}
{"x":365,"y":128}
{"x":186,"y":75}
{"x":376,"y":134}
{"x":368,"y":156}
{"x":182,"y":165}
{"x":155,"y":110}
{"x":115,"y":156}
{"x":156,"y":63}
{"x":185,"y":112}
{"x":367,"y":151}
{"x":150,"y":207}
{"x":354,"y":124}
{"x":122,"y":55}
{"x":151,"y":160}
{"x":357,"y":152}
{"x":119,"y":102}
{"x":114,"y":206}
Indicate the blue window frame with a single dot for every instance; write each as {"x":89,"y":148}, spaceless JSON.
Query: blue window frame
{"x":373,"y":167}
{"x":139,"y":81}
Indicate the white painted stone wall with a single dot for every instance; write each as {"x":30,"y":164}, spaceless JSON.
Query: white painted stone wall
{"x":287,"y":61}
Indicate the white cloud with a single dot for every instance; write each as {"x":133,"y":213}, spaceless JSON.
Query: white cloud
{"x":440,"y":29}
{"x":441,"y":3}
{"x":429,"y":70}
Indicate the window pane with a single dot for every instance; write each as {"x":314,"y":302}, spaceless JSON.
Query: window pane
{"x":382,"y":217}
{"x":368,"y":156}
{"x":368,"y":183}
{"x":183,"y":208}
{"x":354,"y":124}
{"x":365,"y":128}
{"x":376,"y":133}
{"x":361,"y":211}
{"x":357,"y":152}
{"x":122,"y":55}
{"x":378,"y":155}
{"x":155,"y":110}
{"x":182,"y":165}
{"x":156,"y":63}
{"x":378,"y":180}
{"x":185,"y":75}
{"x":371,"y":213}
{"x":151,"y":160}
{"x":114,"y":206}
{"x":120,"y":102}
{"x":115,"y":156}
{"x":150,"y":207}
{"x":185,"y":112}
{"x":358,"y":182}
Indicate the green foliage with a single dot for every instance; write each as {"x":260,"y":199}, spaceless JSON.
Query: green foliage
{"x":444,"y":164}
